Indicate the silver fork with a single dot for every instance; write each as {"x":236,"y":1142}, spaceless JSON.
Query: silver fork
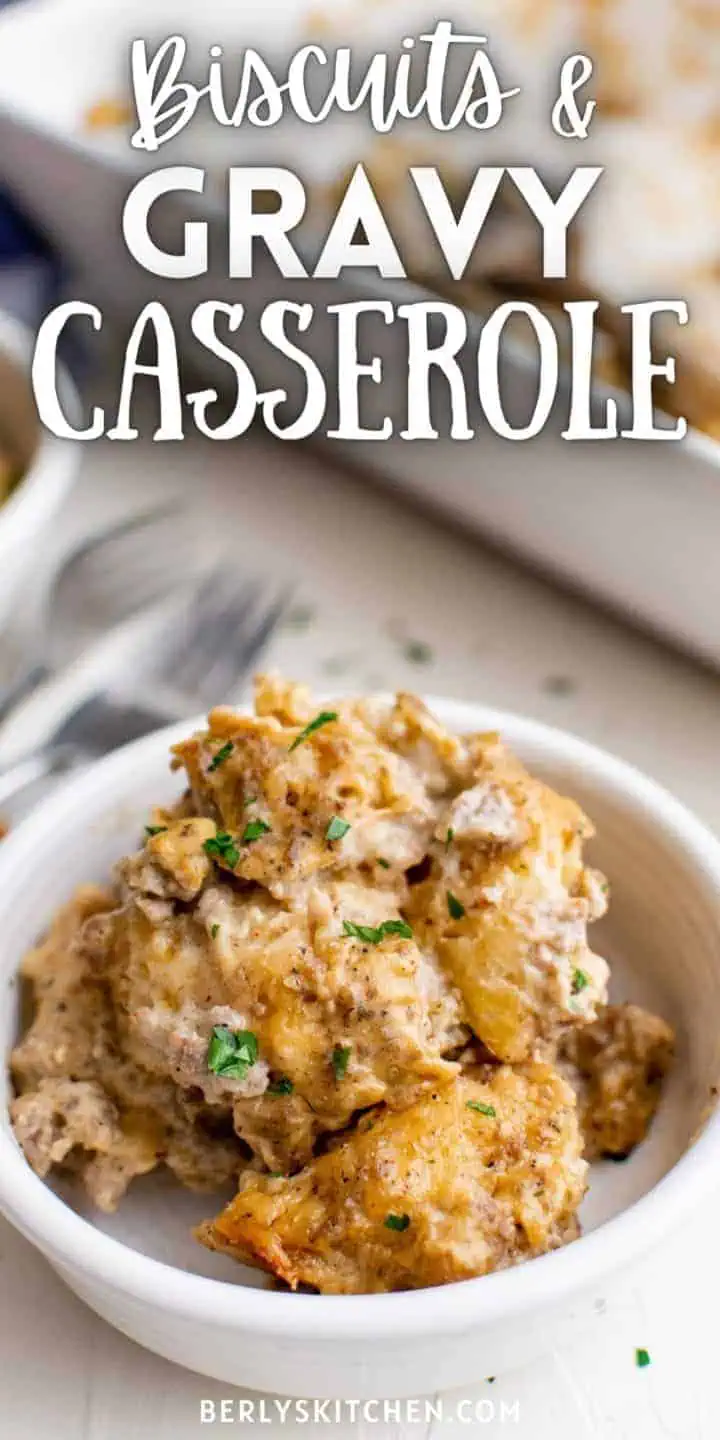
{"x":180,"y":662}
{"x":105,"y":579}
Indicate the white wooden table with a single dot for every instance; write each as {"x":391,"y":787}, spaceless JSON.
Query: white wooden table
{"x":387,"y":597}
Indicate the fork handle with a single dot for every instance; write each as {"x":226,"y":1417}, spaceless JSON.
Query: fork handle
{"x":19,"y":690}
{"x":49,"y":763}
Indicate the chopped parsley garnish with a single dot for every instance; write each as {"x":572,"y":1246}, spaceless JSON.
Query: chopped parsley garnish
{"x":559,"y":685}
{"x":249,"y":800}
{"x":455,"y":909}
{"x":579,"y":981}
{"x":385,"y":863}
{"x":223,"y":754}
{"x":397,"y":1222}
{"x":300,"y":618}
{"x":374,"y":934}
{"x":481,"y":1108}
{"x":253,"y":830}
{"x":324,"y":718}
{"x":155,"y":829}
{"x":642,"y":1358}
{"x":214,"y":931}
{"x":339,"y":1060}
{"x":283,"y":1086}
{"x":222,"y":847}
{"x":418,"y":652}
{"x":337,"y":828}
{"x":231,"y":1053}
{"x":449,"y":837}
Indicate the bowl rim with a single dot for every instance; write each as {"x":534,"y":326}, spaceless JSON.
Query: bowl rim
{"x":73,"y":1243}
{"x":51,"y":471}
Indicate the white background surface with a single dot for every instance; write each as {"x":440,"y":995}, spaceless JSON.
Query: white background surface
{"x":375,"y":577}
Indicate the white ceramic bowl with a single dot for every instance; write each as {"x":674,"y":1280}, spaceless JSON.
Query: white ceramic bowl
{"x":142,"y":1272}
{"x":49,"y":465}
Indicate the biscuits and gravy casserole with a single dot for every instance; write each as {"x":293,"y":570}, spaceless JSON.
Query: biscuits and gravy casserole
{"x":348,"y":972}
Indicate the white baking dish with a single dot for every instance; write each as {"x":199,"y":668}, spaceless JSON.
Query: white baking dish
{"x":634,"y":525}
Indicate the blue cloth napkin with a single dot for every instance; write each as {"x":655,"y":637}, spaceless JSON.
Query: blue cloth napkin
{"x":30,"y":273}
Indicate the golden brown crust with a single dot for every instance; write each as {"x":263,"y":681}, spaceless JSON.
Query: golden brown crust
{"x":442,"y":1191}
{"x":368,"y":767}
{"x":507,"y":903}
